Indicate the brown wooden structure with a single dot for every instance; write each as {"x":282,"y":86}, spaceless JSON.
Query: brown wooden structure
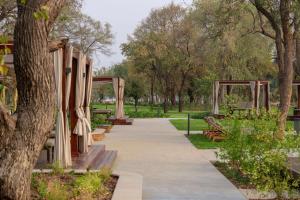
{"x":93,"y":157}
{"x":258,"y":84}
{"x":114,"y":120}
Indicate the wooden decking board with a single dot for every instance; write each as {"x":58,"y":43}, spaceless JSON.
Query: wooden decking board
{"x":106,"y":161}
{"x":84,"y":160}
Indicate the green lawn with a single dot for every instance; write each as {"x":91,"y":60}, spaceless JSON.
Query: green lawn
{"x":148,"y":112}
{"x":196,"y":124}
{"x":202,"y":142}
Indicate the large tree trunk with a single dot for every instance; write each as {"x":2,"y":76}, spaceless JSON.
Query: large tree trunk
{"x":152,"y":91}
{"x":165,"y":104}
{"x":180,"y":105}
{"x":21,"y":143}
{"x":286,"y":56}
{"x":136,"y":100}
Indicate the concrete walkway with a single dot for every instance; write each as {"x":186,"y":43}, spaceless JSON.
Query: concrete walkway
{"x":172,"y":168}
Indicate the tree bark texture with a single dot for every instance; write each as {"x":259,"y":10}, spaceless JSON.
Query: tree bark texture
{"x":22,"y":139}
{"x":285,"y":46}
{"x":286,"y":52}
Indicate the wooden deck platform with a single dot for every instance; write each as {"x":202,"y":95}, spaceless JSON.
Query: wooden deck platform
{"x":123,"y":121}
{"x":97,"y":158}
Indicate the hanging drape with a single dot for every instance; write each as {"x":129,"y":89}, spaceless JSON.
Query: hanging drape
{"x":88,"y":100}
{"x":119,"y":86}
{"x":68,"y":62}
{"x":15,"y":100}
{"x":59,"y":132}
{"x":216,"y":88}
{"x":82,"y":126}
{"x":252,"y":86}
{"x":258,"y":95}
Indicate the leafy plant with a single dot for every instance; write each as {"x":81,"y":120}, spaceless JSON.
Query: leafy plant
{"x":252,"y":148}
{"x":57,"y":169}
{"x":57,"y":191}
{"x":42,"y":189}
{"x":91,"y":183}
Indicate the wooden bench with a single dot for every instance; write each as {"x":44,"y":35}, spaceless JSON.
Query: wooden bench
{"x":243,"y":106}
{"x":216,"y":131}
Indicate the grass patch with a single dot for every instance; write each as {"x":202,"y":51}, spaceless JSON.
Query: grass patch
{"x":202,"y":142}
{"x":196,"y":124}
{"x":147,"y":111}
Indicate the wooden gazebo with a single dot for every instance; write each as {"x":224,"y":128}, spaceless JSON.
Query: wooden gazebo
{"x":72,"y":145}
{"x":118,"y":84}
{"x":255,"y":86}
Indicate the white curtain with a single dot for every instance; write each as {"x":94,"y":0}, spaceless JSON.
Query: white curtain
{"x":89,"y":87}
{"x":258,"y":95}
{"x":119,"y":85}
{"x":82,"y":127}
{"x":121,"y":100}
{"x":252,"y":86}
{"x":59,"y":132}
{"x":68,"y":62}
{"x":216,"y":89}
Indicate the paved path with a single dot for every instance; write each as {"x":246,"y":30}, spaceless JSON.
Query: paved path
{"x":172,"y":168}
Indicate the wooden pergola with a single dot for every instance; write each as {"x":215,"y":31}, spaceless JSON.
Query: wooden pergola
{"x":55,"y":46}
{"x":255,"y":85}
{"x":119,"y":84}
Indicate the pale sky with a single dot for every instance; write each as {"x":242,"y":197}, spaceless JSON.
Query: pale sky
{"x":124,"y":16}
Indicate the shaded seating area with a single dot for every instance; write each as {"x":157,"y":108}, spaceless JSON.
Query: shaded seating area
{"x":118,"y":85}
{"x":256,"y":87}
{"x":71,"y":144}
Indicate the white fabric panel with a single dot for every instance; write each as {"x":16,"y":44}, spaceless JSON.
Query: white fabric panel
{"x":69,"y":59}
{"x":119,"y":85}
{"x":215,"y":97}
{"x":88,"y":101}
{"x":59,"y":132}
{"x":121,"y":98}
{"x":258,"y":95}
{"x":252,"y":86}
{"x":82,"y":127}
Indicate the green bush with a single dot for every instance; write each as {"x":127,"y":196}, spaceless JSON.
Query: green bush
{"x":91,"y":183}
{"x":97,"y":120}
{"x":251,"y":147}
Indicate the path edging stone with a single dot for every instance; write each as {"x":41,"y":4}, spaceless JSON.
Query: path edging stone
{"x":129,"y":186}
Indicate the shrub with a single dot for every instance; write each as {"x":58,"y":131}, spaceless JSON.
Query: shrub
{"x":252,"y":148}
{"x":57,"y":191}
{"x":91,"y":183}
{"x":57,"y":169}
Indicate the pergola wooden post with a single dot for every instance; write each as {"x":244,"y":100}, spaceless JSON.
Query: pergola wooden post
{"x":258,"y":84}
{"x":117,"y":120}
